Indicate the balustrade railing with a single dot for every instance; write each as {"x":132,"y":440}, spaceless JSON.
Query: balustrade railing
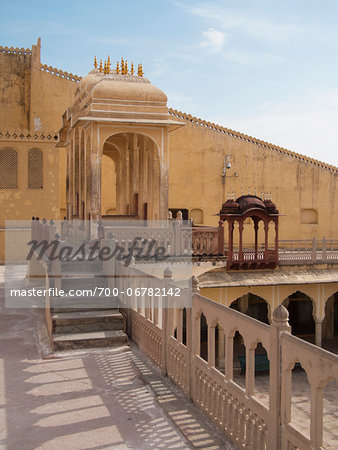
{"x":308,"y":251}
{"x":238,"y":412}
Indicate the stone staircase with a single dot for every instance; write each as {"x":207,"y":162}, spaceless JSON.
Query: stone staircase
{"x":85,"y":322}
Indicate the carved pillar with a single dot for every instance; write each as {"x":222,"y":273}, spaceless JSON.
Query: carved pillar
{"x":145,"y":193}
{"x":276,"y":239}
{"x":266,"y":232}
{"x":136,"y":165}
{"x":278,"y":405}
{"x":316,"y":416}
{"x":229,"y":352}
{"x":211,"y":345}
{"x":319,"y":324}
{"x":220,"y":238}
{"x":230,"y":239}
{"x":126,"y":182}
{"x":179,"y":321}
{"x":256,"y":226}
{"x":96,"y":160}
{"x":250,"y":371}
{"x":240,"y":229}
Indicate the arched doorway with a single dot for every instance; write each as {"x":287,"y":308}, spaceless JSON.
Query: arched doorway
{"x":330,"y":324}
{"x":135,"y":158}
{"x":301,"y":319}
{"x":252,"y":305}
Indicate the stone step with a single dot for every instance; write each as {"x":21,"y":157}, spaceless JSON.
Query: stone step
{"x":81,"y":266}
{"x":69,"y":304}
{"x":96,"y":339}
{"x":84,"y":282}
{"x":80,"y":321}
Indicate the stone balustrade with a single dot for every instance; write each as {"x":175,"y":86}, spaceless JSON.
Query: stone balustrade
{"x":171,"y":337}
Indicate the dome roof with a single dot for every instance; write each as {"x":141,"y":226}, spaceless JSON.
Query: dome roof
{"x":127,"y":88}
{"x":246,"y":203}
{"x":250,"y":202}
{"x":119,"y":87}
{"x":90,"y":80}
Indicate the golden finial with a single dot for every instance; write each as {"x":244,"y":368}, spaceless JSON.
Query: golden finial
{"x":117,"y":67}
{"x":140,"y":70}
{"x":95,"y":62}
{"x":105,"y":67}
{"x":100,"y":68}
{"x":108,"y":64}
{"x":126,"y":68}
{"x":122,"y":66}
{"x":132,"y":69}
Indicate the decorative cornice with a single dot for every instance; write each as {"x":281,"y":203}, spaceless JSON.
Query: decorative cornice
{"x":60,"y":73}
{"x":237,"y":135}
{"x":15,"y":51}
{"x":25,"y":135}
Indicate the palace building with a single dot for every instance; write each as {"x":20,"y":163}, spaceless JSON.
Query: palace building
{"x":263,"y":220}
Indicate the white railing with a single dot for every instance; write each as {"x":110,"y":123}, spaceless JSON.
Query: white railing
{"x":238,"y":411}
{"x":310,"y":251}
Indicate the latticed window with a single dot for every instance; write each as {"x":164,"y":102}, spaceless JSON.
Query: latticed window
{"x":35,"y":169}
{"x":8,"y":168}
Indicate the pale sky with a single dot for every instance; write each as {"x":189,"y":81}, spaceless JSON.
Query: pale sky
{"x":266,"y":68}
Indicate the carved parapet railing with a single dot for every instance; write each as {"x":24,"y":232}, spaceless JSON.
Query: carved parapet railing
{"x":147,"y":335}
{"x":310,"y":251}
{"x":26,"y":135}
{"x":205,"y":241}
{"x":175,"y":346}
{"x":251,"y":259}
{"x":245,"y":138}
{"x":60,"y":73}
{"x":320,"y":367}
{"x":15,"y":50}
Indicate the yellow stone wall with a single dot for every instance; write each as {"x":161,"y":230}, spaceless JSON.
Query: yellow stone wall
{"x":296,"y":183}
{"x":15,"y":89}
{"x":23,"y":203}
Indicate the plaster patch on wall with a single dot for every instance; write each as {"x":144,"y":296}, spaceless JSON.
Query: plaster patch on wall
{"x":37,"y":123}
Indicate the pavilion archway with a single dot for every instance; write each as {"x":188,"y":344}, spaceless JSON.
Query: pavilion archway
{"x":137,"y":176}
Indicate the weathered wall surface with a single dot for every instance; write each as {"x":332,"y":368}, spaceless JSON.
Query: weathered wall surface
{"x":297,"y":184}
{"x":15,"y":75}
{"x":51,"y":96}
{"x":33,"y":98}
{"x":23,"y":203}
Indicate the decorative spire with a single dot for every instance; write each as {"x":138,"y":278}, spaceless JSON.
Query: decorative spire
{"x":105,"y":67}
{"x":108,"y":64}
{"x":117,"y":67}
{"x":126,"y":68}
{"x":140,"y":70}
{"x":122,"y":66}
{"x":132,"y":69}
{"x":100,"y":68}
{"x":95,"y":62}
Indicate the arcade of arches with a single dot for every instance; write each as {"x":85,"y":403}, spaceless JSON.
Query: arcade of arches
{"x":311,"y":318}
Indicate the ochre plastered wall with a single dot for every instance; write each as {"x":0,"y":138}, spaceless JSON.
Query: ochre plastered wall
{"x":196,"y":162}
{"x":22,"y":203}
{"x":15,"y":74}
